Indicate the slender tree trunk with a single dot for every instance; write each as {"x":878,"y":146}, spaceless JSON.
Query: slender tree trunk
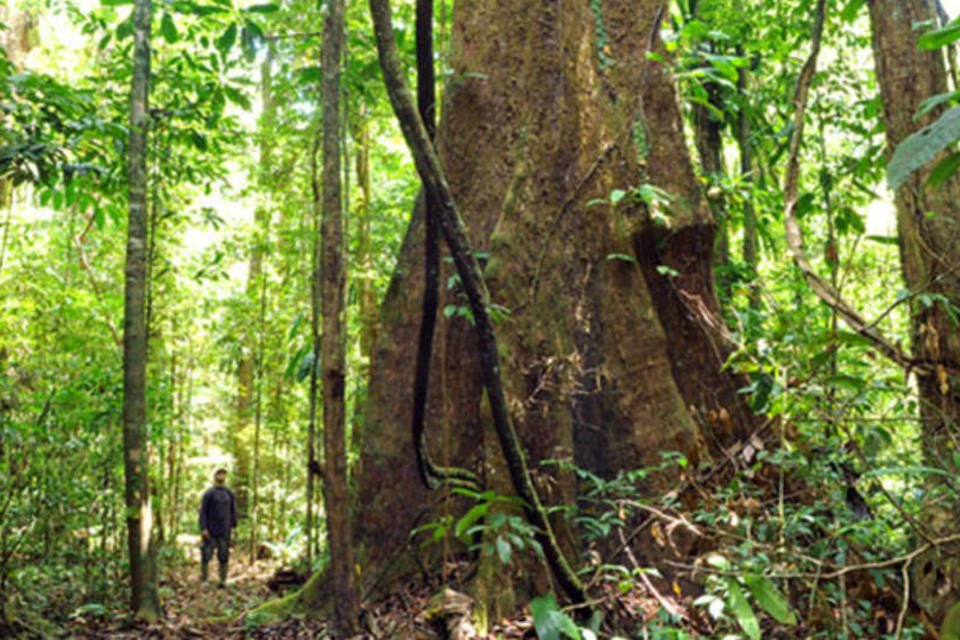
{"x":312,"y":463}
{"x":144,"y":601}
{"x":258,"y":418}
{"x":928,"y":221}
{"x":745,"y":145}
{"x":332,"y":345}
{"x":369,"y":313}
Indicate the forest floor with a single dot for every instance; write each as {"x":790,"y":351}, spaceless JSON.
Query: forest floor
{"x":195,"y":610}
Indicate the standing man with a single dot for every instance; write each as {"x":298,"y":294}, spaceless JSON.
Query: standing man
{"x":218,"y":515}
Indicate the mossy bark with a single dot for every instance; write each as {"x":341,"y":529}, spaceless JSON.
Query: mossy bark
{"x":540,"y":118}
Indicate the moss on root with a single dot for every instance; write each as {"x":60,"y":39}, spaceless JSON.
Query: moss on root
{"x":276,"y":610}
{"x":312,"y":601}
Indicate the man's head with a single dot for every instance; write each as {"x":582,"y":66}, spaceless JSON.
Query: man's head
{"x":220,"y":476}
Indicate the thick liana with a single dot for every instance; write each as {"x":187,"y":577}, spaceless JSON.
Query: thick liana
{"x":435,"y":184}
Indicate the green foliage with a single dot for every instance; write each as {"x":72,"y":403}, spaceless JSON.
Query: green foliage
{"x":491,"y":526}
{"x":923,"y":146}
{"x":553,"y":623}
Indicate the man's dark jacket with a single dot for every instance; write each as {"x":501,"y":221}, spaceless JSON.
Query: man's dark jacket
{"x":218,"y":511}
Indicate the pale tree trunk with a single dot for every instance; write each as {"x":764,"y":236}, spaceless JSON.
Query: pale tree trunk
{"x":342,"y":587}
{"x":250,"y":372}
{"x":312,"y":463}
{"x":928,"y":220}
{"x":603,"y":357}
{"x":258,"y":412}
{"x":369,"y":314}
{"x":245,"y":412}
{"x":745,"y":145}
{"x":144,"y":602}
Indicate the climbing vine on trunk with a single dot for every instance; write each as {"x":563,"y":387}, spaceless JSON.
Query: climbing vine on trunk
{"x":478,"y":297}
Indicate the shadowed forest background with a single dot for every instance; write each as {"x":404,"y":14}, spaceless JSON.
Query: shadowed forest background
{"x":593,"y":319}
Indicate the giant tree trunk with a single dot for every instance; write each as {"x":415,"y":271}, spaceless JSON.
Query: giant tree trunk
{"x":602,"y":357}
{"x":144,"y":602}
{"x":928,"y":220}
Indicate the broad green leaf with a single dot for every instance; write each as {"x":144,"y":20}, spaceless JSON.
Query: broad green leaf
{"x":850,"y":10}
{"x":617,"y":195}
{"x":199,"y":140}
{"x":550,"y":620}
{"x":125,"y":28}
{"x":888,"y":240}
{"x":262,"y":8}
{"x":226,"y":41}
{"x":742,"y":611}
{"x":933,"y":102}
{"x":237,"y":97}
{"x":250,"y":38}
{"x":469,"y":518}
{"x":504,"y":552}
{"x":769,"y":597}
{"x":940,"y":37}
{"x":185,"y":6}
{"x":295,"y":325}
{"x":923,"y":146}
{"x":944,"y":170}
{"x":308,"y":75}
{"x":168,"y":29}
{"x":305,"y":365}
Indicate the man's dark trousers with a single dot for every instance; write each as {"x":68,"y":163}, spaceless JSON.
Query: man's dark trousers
{"x":220,"y":544}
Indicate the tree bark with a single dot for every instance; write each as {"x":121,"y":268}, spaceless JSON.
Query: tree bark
{"x":600,"y":356}
{"x":315,"y":286}
{"x":928,"y":220}
{"x":369,"y":314}
{"x":332,"y":343}
{"x":144,"y":601}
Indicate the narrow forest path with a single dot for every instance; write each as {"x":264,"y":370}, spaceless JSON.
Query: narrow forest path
{"x":195,"y":610}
